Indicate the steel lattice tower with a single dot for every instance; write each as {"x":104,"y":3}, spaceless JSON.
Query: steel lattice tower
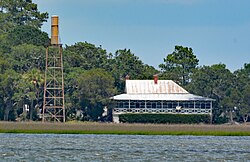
{"x":53,"y":102}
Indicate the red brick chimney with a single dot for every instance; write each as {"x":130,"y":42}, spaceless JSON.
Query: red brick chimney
{"x":156,"y":79}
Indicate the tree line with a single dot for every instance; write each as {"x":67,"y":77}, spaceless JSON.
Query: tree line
{"x":92,"y":75}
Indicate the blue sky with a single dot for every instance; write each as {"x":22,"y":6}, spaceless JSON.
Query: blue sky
{"x":218,"y":31}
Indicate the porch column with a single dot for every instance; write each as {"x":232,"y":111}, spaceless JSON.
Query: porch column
{"x":129,"y":105}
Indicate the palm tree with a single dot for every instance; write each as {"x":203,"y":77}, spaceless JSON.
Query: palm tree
{"x":34,"y":80}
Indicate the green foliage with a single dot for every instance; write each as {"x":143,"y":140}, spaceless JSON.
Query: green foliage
{"x":179,"y":65}
{"x":164,"y":118}
{"x":211,"y":81}
{"x":243,"y":87}
{"x":32,"y":89}
{"x":22,"y":12}
{"x":4,"y":44}
{"x":25,"y":57}
{"x":227,"y":88}
{"x":4,"y":65}
{"x":126,"y":63}
{"x":28,"y":35}
{"x":8,"y":87}
{"x":220,"y":120}
{"x":6,"y":23}
{"x":244,"y":108}
{"x":86,"y":56}
{"x":72,"y":97}
{"x":96,"y":86}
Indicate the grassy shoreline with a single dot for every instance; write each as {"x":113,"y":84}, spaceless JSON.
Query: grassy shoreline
{"x":129,"y":129}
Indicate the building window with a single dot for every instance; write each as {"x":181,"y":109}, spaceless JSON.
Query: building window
{"x":170,"y":105}
{"x":158,"y":105}
{"x":132,"y":104}
{"x":208,"y":104}
{"x":202,"y":105}
{"x":119,"y":104}
{"x":197,"y":104}
{"x":153,"y":104}
{"x":191,"y":104}
{"x":126,"y":104}
{"x":181,"y":104}
{"x":137,"y":105}
{"x":149,"y":105}
{"x":186,"y":104}
{"x":142,"y":104}
{"x":165,"y":105}
{"x":175,"y":104}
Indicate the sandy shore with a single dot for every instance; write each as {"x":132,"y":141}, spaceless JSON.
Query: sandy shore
{"x":112,"y":128}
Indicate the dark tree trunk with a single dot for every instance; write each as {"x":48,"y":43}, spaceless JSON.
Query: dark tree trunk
{"x":7,"y":110}
{"x":31,"y":110}
{"x":245,"y":118}
{"x":6,"y":114}
{"x":231,"y":117}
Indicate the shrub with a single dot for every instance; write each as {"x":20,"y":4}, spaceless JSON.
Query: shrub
{"x":165,"y":118}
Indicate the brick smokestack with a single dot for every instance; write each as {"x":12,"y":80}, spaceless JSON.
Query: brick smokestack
{"x":156,"y":79}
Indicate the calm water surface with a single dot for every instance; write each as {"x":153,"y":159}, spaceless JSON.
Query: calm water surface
{"x":53,"y":147}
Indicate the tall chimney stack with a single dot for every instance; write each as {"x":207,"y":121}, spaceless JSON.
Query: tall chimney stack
{"x":54,"y":30}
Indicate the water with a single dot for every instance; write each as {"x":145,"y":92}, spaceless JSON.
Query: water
{"x":54,"y":147}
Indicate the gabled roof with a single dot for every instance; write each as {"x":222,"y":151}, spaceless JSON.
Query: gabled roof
{"x":162,"y":90}
{"x":150,"y":87}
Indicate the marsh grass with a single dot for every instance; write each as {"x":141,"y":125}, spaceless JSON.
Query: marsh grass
{"x":130,"y":129}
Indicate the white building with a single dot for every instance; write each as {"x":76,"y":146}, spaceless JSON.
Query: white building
{"x":159,"y":96}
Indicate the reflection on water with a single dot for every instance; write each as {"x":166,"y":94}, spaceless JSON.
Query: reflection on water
{"x":53,"y":147}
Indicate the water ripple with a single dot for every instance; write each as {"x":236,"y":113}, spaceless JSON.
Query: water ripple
{"x":54,"y":147}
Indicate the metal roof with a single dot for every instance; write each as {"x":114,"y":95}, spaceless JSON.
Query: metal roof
{"x":149,"y":87}
{"x":165,"y":97}
{"x":162,"y":90}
